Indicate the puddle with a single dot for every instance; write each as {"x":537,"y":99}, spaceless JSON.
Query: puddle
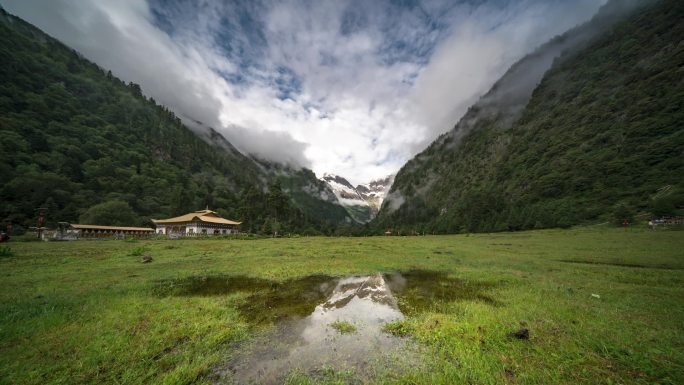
{"x":269,"y":301}
{"x":311,"y":345}
{"x":421,"y":290}
{"x":306,"y":315}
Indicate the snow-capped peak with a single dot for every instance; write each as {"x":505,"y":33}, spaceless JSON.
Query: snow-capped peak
{"x":345,"y":192}
{"x":369,"y":194}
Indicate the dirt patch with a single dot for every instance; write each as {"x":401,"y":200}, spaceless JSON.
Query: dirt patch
{"x":522,"y":334}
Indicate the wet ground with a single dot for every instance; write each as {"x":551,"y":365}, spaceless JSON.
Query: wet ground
{"x":304,"y":311}
{"x":422,"y":290}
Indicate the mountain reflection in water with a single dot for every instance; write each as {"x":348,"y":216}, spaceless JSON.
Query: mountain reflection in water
{"x":309,"y":344}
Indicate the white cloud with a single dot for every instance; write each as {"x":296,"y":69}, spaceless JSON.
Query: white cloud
{"x":480,"y":49}
{"x":367,"y":84}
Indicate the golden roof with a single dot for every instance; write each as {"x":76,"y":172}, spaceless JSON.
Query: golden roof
{"x":201,"y":215}
{"x":113,"y":228}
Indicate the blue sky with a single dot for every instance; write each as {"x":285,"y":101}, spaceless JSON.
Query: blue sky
{"x":346,"y":86}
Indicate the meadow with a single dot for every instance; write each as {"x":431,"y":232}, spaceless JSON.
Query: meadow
{"x":602,"y":306}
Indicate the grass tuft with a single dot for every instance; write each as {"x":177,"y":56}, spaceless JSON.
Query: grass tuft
{"x":344,"y":327}
{"x":6,"y":251}
{"x":138,"y":251}
{"x":398,"y":328}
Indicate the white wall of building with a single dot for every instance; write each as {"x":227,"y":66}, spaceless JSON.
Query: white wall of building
{"x":194,"y":229}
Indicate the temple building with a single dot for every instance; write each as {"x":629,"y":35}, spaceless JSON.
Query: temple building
{"x":198,"y":223}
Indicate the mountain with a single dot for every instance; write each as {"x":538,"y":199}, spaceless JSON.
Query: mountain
{"x":345,"y":192}
{"x":375,"y":191}
{"x":347,"y":196}
{"x":78,"y":141}
{"x":311,"y":195}
{"x":361,"y":202}
{"x":587,"y":126}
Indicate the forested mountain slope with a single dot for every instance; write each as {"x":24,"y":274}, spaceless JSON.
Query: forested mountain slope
{"x":312,"y":195}
{"x":73,"y":136}
{"x":602,"y":130}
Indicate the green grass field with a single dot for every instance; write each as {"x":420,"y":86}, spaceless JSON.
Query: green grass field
{"x":87,"y":312}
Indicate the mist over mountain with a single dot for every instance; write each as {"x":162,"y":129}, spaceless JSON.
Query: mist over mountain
{"x":77,"y":139}
{"x":558,"y":146}
{"x":363,"y":201}
{"x":308,"y":193}
{"x":579,"y":128}
{"x":375,"y":192}
{"x":350,"y":87}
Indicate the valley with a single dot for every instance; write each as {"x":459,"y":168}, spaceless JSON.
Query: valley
{"x":342,"y":192}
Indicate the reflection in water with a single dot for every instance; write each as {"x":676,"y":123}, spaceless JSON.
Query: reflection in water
{"x":310,"y":343}
{"x":424,"y":290}
{"x":301,"y":311}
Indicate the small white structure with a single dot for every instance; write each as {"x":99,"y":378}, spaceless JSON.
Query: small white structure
{"x":198,"y":223}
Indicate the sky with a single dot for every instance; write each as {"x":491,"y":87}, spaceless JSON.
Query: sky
{"x":354,"y":88}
